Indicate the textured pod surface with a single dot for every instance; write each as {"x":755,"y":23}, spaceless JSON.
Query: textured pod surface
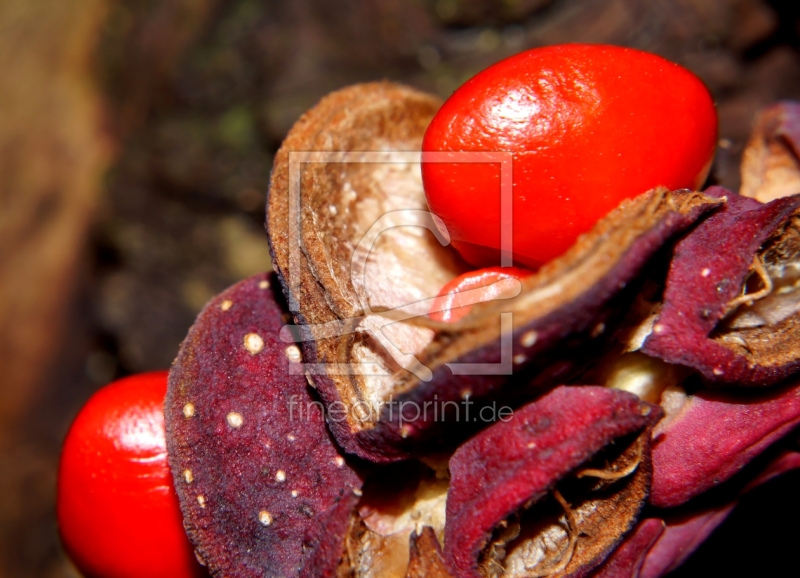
{"x":731,"y":305}
{"x":360,"y":261}
{"x":627,"y":560}
{"x":255,"y":468}
{"x":505,"y":470}
{"x":708,"y":437}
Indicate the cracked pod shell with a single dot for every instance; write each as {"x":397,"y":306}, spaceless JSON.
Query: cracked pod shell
{"x":361,"y":260}
{"x":512,"y":465}
{"x":255,"y":469}
{"x":706,"y":321}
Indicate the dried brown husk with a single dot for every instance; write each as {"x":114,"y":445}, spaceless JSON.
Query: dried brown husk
{"x":366,"y":339}
{"x":771,"y":161}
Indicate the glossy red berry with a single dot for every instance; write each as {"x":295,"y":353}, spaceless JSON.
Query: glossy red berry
{"x":587,"y":126}
{"x":117,"y":509}
{"x":456,"y":298}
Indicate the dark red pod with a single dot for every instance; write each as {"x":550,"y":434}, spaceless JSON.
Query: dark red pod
{"x":255,"y":468}
{"x":659,"y":545}
{"x":500,"y":474}
{"x":729,"y":309}
{"x":708,"y":437}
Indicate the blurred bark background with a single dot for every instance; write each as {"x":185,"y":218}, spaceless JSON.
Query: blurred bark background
{"x":135,"y":145}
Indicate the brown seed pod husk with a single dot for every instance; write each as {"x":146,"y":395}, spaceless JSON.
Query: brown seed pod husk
{"x":361,"y":298}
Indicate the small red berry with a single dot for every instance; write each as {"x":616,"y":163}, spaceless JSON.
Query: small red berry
{"x":117,"y":509}
{"x":456,"y":298}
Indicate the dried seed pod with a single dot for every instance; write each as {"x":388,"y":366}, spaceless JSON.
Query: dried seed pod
{"x":495,"y":525}
{"x":255,"y":468}
{"x":361,"y":260}
{"x":731,"y":307}
{"x":708,"y":437}
{"x":771,"y":161}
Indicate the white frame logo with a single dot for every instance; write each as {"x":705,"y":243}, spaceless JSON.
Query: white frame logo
{"x":407,"y":217}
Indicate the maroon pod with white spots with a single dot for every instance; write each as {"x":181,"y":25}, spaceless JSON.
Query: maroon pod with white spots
{"x":255,"y":468}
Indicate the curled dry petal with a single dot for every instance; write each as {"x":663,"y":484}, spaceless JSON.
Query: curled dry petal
{"x":708,"y":437}
{"x":361,"y":260}
{"x":771,"y":161}
{"x":506,"y":472}
{"x":255,"y":468}
{"x":731,"y":305}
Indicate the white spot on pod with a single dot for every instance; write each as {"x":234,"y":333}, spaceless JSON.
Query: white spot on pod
{"x":294,"y":493}
{"x":293,"y":354}
{"x":291,"y":437}
{"x":310,"y":380}
{"x":235,"y":419}
{"x":263,"y":284}
{"x":265,"y":518}
{"x":253,"y":343}
{"x":528,"y":339}
{"x":358,"y":492}
{"x":658,"y":328}
{"x":188,"y":410}
{"x":531,"y":445}
{"x":520,"y":359}
{"x":332,"y":209}
{"x":717,"y":371}
{"x":280,"y":476}
{"x":225,"y":305}
{"x":202,"y":501}
{"x":705,"y":272}
{"x":187,"y":476}
{"x":339,"y":461}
